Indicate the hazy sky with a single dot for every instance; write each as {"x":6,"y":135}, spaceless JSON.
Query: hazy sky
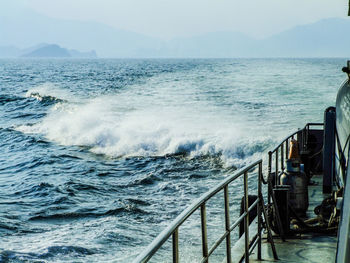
{"x":173,"y":18}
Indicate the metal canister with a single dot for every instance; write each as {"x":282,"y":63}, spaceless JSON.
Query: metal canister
{"x":298,"y":195}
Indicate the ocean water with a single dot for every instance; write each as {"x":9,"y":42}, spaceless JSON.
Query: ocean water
{"x":98,"y":156}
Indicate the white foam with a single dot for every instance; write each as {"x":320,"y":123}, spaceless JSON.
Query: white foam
{"x":109,"y":126}
{"x":49,"y":90}
{"x":135,"y":123}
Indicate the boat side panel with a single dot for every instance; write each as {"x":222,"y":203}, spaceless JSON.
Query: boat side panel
{"x":343,"y":170}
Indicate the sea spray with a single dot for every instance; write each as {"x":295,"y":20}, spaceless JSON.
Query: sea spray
{"x":108,"y":128}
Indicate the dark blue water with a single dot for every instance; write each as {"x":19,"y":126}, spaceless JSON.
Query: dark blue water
{"x":98,"y":156}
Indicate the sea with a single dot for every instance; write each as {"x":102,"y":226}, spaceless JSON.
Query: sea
{"x":98,"y":156}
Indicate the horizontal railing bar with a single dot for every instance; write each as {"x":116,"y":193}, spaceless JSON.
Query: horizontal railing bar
{"x":168,"y":231}
{"x":315,"y":124}
{"x":222,"y":238}
{"x":236,"y":223}
{"x":255,"y":242}
{"x":205,"y":259}
{"x":241,"y":217}
{"x":294,"y":133}
{"x":255,"y":239}
{"x":279,"y":145}
{"x":217,"y":243}
{"x":250,"y":208}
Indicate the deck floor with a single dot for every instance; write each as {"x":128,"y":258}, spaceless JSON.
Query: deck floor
{"x":304,"y":247}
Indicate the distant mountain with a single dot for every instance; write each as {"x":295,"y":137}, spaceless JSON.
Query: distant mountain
{"x":45,"y":50}
{"x":24,"y":28}
{"x":325,"y":38}
{"x":32,"y":48}
{"x":215,"y":44}
{"x":54,"y":51}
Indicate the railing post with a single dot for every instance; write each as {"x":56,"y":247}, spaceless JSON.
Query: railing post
{"x":269,"y":177}
{"x":176,"y":246}
{"x":227,"y":225}
{"x":204,"y":233}
{"x":246,"y":219}
{"x":303,"y":139}
{"x":282,"y":158}
{"x":307,"y":135}
{"x":259,"y":210}
{"x":276,"y":168}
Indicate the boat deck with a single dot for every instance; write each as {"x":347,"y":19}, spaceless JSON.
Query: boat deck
{"x":311,"y":247}
{"x":304,"y":247}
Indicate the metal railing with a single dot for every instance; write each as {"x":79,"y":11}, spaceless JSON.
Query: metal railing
{"x":280,"y":153}
{"x":200,"y":204}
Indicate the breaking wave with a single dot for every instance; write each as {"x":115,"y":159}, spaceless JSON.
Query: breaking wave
{"x":48,"y":92}
{"x":108,"y":126}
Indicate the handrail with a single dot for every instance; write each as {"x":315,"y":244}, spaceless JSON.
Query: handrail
{"x":281,"y":151}
{"x":172,"y":229}
{"x":306,"y":128}
{"x":200,"y":203}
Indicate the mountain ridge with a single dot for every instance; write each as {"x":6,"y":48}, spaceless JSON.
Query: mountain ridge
{"x":44,"y":50}
{"x":324,"y":38}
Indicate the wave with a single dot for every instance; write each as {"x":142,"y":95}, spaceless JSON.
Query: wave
{"x":110,"y":126}
{"x":146,"y":179}
{"x":127,"y":209}
{"x":4,"y":99}
{"x":48,"y":93}
{"x":51,"y":252}
{"x":43,"y":98}
{"x":64,"y":250}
